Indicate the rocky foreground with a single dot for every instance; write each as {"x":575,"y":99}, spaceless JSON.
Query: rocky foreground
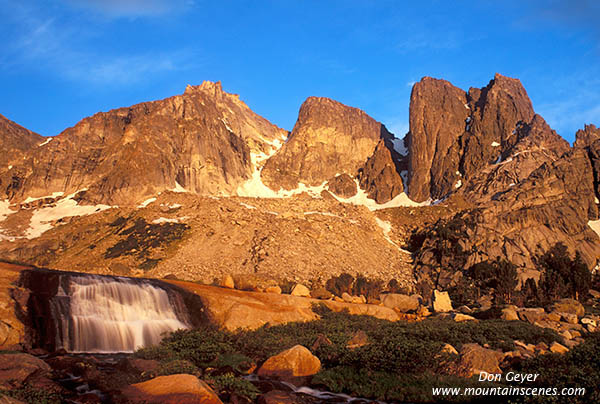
{"x":253,"y":341}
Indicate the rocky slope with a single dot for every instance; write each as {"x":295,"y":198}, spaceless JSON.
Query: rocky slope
{"x":200,"y":239}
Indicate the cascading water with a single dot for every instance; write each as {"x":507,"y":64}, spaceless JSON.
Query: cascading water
{"x":109,"y":314}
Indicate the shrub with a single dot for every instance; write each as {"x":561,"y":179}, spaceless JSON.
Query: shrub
{"x":500,"y":275}
{"x":228,"y":383}
{"x":178,"y":366}
{"x":338,"y":285}
{"x":367,"y":288}
{"x":33,"y":395}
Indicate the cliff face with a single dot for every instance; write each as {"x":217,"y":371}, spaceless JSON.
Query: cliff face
{"x":328,"y":139}
{"x":454,"y":134}
{"x":16,"y":141}
{"x":200,"y":141}
{"x":438,"y":113}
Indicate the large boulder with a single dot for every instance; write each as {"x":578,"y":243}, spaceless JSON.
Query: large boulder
{"x":172,"y":389}
{"x":18,"y":368}
{"x":293,"y":365}
{"x":441,"y":302}
{"x":402,"y":303}
{"x":570,"y":306}
{"x":475,"y":359}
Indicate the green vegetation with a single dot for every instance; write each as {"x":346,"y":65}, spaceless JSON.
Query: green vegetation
{"x":580,"y":367}
{"x":230,"y":384}
{"x":401,"y":358}
{"x":346,"y":283}
{"x":33,"y":395}
{"x":499,"y":275}
{"x":142,"y":237}
{"x":561,"y":275}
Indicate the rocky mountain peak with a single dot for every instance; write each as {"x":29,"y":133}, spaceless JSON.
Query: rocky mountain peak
{"x":15,"y":141}
{"x":200,"y":141}
{"x":586,"y":136}
{"x":328,"y":139}
{"x":438,"y":115}
{"x":453,"y":134}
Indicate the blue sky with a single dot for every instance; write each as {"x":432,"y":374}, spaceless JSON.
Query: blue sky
{"x":63,"y":60}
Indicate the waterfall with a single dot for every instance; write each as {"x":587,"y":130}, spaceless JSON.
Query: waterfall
{"x":111,"y":314}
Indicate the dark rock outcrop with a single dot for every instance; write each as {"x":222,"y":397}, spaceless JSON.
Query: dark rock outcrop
{"x":342,"y":185}
{"x":438,"y":111}
{"x":379,"y":176}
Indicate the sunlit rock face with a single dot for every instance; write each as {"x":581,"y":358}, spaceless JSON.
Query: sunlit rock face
{"x":330,"y":139}
{"x":453,"y":134}
{"x":199,"y":141}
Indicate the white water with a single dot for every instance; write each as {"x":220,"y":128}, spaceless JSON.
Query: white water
{"x":116,"y":315}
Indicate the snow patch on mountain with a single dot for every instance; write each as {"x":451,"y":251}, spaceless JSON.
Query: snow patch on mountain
{"x":42,"y":219}
{"x":399,"y":146}
{"x":361,"y":198}
{"x":5,"y":210}
{"x":53,"y":196}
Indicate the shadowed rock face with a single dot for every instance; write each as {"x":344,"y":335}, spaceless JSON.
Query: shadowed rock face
{"x":379,"y":176}
{"x":328,"y":139}
{"x":588,"y":139}
{"x":200,"y":140}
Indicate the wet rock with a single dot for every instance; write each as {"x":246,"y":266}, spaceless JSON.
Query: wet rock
{"x":18,"y":368}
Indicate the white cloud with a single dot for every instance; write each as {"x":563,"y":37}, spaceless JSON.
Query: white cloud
{"x":63,"y":48}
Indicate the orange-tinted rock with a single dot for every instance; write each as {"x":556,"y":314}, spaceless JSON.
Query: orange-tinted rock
{"x":201,"y":140}
{"x":172,"y":389}
{"x":291,"y":365}
{"x":329,"y":138}
{"x":380,"y":175}
{"x":342,"y":185}
{"x":437,"y":120}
